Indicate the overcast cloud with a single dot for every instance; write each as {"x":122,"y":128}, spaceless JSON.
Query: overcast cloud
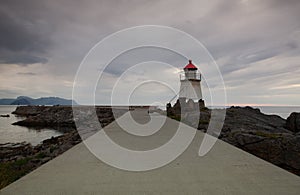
{"x":256,"y":44}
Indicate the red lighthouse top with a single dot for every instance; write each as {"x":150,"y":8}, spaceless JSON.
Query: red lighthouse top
{"x":190,"y":66}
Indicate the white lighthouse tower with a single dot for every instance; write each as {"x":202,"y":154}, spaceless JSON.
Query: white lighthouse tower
{"x":190,"y":94}
{"x":190,"y":81}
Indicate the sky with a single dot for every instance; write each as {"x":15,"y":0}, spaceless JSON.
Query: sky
{"x":256,"y":45}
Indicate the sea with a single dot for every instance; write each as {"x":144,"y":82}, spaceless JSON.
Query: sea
{"x":282,"y":111}
{"x":13,"y":134}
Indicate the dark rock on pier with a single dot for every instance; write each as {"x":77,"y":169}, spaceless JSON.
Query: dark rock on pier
{"x":265,"y":136}
{"x":269,"y":137}
{"x":293,"y":122}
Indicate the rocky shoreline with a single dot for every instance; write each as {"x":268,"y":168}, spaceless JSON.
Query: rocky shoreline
{"x":18,"y":159}
{"x":266,"y":136}
{"x":60,"y":117}
{"x":269,"y":137}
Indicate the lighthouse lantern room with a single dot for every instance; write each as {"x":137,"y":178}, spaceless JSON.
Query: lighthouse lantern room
{"x":190,"y":80}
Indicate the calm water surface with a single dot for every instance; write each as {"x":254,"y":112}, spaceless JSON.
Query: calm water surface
{"x":14,"y":133}
{"x":283,"y":111}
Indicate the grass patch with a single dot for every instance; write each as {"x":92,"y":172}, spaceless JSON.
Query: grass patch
{"x":52,"y":149}
{"x":268,"y":135}
{"x":11,"y":171}
{"x":41,"y":155}
{"x":22,"y":162}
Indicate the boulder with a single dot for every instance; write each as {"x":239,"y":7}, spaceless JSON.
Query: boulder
{"x":293,"y":122}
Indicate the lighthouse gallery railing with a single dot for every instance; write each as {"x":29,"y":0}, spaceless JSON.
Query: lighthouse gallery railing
{"x":190,"y":76}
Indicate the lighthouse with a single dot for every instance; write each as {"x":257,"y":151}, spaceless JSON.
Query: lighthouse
{"x":190,"y":94}
{"x":190,"y":83}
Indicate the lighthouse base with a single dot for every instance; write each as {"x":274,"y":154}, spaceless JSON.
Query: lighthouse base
{"x":184,"y":105}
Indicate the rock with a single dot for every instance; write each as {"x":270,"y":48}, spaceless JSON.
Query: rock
{"x":4,"y":115}
{"x":245,"y":139}
{"x":46,"y":116}
{"x":293,"y":122}
{"x":11,"y":150}
{"x":250,"y":119}
{"x":269,"y":137}
{"x":61,"y":117}
{"x":28,"y":110}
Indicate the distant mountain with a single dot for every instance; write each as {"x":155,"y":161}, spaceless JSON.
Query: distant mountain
{"x":6,"y":101}
{"x":21,"y":101}
{"x":24,"y":100}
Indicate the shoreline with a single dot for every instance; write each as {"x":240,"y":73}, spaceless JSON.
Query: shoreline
{"x":19,"y":159}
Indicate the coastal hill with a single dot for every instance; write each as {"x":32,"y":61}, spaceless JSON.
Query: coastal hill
{"x":24,"y":100}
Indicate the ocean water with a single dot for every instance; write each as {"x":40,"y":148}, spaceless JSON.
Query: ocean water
{"x":14,"y":133}
{"x":283,"y":111}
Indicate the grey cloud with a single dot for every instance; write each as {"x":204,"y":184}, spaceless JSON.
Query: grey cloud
{"x":235,"y":63}
{"x":27,"y":73}
{"x":292,"y":45}
{"x":22,"y":59}
{"x":16,"y":36}
{"x":144,"y":54}
{"x":23,"y":37}
{"x":239,"y":34}
{"x":6,"y":93}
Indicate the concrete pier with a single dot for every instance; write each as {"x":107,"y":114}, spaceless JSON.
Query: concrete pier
{"x":224,"y":170}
